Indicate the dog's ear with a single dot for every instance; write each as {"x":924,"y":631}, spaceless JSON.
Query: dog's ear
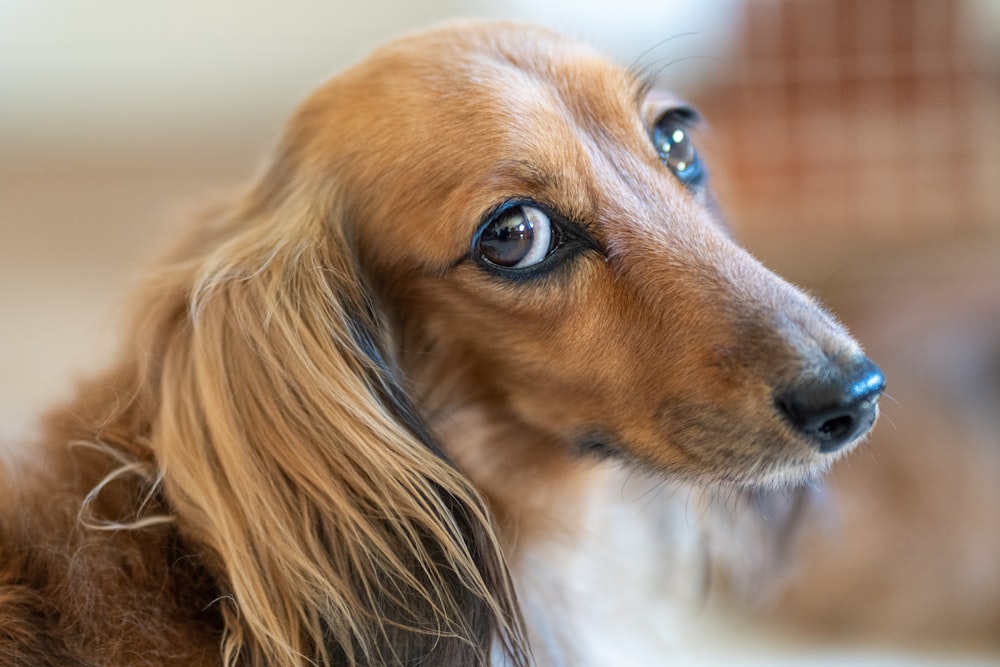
{"x":340,"y":532}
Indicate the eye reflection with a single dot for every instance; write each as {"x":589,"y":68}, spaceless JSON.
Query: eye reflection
{"x":519,"y":237}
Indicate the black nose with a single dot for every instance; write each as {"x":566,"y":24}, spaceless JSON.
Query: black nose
{"x":835,"y":408}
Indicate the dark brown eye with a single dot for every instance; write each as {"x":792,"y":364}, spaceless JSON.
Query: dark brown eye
{"x":517,"y":238}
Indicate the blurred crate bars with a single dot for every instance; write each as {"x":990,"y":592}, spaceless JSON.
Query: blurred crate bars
{"x":840,"y":116}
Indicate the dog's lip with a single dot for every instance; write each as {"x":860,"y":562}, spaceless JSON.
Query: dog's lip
{"x":787,"y":471}
{"x":598,"y":444}
{"x":795,"y":464}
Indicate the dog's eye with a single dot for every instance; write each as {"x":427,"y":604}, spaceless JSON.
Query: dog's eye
{"x":672,"y":139}
{"x":517,"y":237}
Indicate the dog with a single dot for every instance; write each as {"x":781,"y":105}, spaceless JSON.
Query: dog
{"x":472,"y":374}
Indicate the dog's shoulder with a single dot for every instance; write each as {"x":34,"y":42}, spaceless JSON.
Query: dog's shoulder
{"x":73,"y":595}
{"x":27,"y":631}
{"x":29,"y":557}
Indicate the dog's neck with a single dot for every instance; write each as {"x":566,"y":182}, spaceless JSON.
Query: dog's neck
{"x":611,"y":565}
{"x":604,"y":560}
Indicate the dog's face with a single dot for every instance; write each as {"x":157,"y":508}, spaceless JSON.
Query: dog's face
{"x":539,"y":221}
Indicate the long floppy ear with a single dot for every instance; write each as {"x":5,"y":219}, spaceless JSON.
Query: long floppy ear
{"x":341,"y":534}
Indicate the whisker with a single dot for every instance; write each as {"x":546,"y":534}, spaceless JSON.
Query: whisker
{"x":637,"y":65}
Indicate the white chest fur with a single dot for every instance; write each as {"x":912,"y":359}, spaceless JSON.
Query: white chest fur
{"x":616,"y":579}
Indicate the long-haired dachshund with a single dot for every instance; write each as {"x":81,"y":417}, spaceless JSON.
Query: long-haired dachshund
{"x":460,"y":380}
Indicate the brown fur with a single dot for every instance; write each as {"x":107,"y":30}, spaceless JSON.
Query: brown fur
{"x":331,"y":430}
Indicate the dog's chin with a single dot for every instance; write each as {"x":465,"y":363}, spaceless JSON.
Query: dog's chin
{"x":766,"y":476}
{"x":782,"y":476}
{"x":719,"y":467}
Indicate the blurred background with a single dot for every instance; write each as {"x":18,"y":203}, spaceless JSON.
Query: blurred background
{"x":854,"y":144}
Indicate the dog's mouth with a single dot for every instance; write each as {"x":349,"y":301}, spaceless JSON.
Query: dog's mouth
{"x":599,"y":445}
{"x":749,"y":464}
{"x":811,"y":423}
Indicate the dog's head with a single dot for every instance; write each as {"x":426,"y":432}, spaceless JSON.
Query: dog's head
{"x":543,"y":217}
{"x":485,"y":219}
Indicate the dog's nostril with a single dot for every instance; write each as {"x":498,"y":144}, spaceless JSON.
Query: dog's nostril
{"x":834,"y":410}
{"x":836,"y":428}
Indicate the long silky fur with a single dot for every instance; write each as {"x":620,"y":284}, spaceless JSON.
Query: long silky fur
{"x":283,"y":456}
{"x":286,"y":458}
{"x":329,"y":413}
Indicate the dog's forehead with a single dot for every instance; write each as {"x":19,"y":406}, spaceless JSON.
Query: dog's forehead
{"x":499,"y":65}
{"x":447,"y":125}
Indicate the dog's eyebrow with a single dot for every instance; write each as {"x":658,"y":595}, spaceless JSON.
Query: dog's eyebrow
{"x":688,"y":115}
{"x":644,"y":81}
{"x":528,"y":175}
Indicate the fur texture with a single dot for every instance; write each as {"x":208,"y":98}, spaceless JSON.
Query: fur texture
{"x":338,"y":435}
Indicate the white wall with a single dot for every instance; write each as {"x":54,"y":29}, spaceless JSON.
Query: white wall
{"x":98,"y":76}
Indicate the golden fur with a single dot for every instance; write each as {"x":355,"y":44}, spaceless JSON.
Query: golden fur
{"x":335,"y":438}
